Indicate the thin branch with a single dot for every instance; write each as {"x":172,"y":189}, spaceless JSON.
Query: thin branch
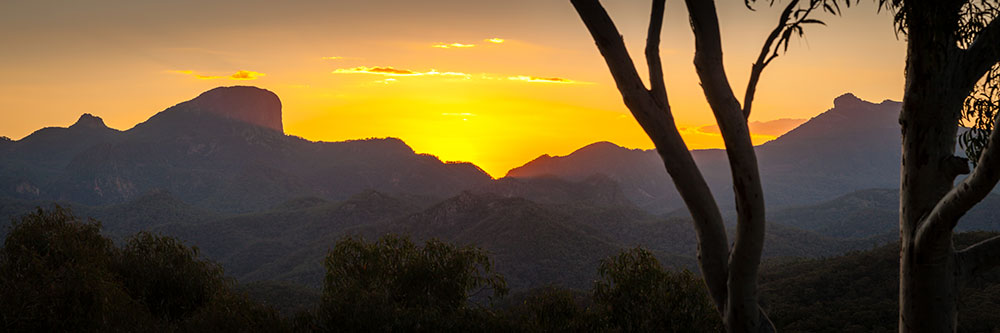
{"x":979,"y":258}
{"x":982,"y":54}
{"x":763,"y":59}
{"x":966,"y":194}
{"x":657,"y":88}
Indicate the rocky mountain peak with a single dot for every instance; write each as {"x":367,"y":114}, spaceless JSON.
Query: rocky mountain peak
{"x":847,"y":100}
{"x":89,"y":121}
{"x":254,"y":105}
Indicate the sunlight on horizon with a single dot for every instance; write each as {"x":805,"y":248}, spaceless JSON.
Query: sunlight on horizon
{"x":526,"y":72}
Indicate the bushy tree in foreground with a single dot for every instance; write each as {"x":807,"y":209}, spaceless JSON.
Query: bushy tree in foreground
{"x":635,"y":294}
{"x":393,"y":284}
{"x":58,"y":273}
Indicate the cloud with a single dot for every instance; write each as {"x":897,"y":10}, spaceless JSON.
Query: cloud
{"x":453,"y":46}
{"x":239,"y":75}
{"x":390,"y":71}
{"x":495,"y":40}
{"x":195,"y":75}
{"x":463,"y":115}
{"x":773,"y":128}
{"x":246,"y":75}
{"x":527,"y":78}
{"x":332,"y":58}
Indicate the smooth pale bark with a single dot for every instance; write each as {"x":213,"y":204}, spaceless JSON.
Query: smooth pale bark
{"x":742,"y":312}
{"x":731,"y":276}
{"x":939,"y":76}
{"x":652,"y":110}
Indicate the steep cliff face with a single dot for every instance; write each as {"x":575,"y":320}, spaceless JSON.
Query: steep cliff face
{"x":254,"y":105}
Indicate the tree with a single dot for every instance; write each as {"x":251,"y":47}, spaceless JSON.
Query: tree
{"x":167,"y":276}
{"x":392,"y":284}
{"x":729,"y":274}
{"x":636,"y":295}
{"x":953,"y":49}
{"x":58,"y":273}
{"x":55,"y":275}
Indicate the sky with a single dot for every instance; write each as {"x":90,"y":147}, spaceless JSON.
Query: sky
{"x":496,"y":83}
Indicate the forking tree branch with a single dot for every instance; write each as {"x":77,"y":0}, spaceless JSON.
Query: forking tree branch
{"x":767,"y":53}
{"x":791,"y":20}
{"x":657,"y":121}
{"x":742,"y":309}
{"x":945,"y":215}
{"x":982,"y":54}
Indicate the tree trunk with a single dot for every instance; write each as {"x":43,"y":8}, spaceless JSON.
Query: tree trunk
{"x":928,"y":283}
{"x":928,"y":287}
{"x":732,"y":281}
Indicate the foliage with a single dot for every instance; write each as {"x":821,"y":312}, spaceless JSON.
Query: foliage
{"x":290,"y":299}
{"x":859,"y":292}
{"x":166,"y":276}
{"x":55,"y":275}
{"x":58,"y":273}
{"x":392,"y":284}
{"x":551,"y":309}
{"x":979,"y":114}
{"x":635,"y":294}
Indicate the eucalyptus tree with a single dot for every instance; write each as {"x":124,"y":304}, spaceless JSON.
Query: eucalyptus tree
{"x":729,"y":273}
{"x":952,"y":77}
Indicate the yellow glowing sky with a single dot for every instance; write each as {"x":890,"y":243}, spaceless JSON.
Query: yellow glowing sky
{"x":496,"y":83}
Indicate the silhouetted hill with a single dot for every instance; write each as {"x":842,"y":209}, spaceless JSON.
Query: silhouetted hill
{"x":223,"y":151}
{"x":858,"y":292}
{"x":853,"y":146}
{"x":557,"y":242}
{"x":874,"y":212}
{"x":28,"y":163}
{"x":596,"y":190}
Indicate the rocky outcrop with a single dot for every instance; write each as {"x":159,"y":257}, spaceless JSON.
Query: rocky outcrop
{"x":254,"y":105}
{"x":89,"y":121}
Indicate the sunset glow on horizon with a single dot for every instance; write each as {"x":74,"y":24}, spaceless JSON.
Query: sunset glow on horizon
{"x":495,"y":84}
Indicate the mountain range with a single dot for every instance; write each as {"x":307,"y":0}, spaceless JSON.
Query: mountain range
{"x":853,"y":146}
{"x":219,"y":173}
{"x":222,"y":151}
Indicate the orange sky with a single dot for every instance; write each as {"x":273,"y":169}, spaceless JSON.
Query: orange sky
{"x":496,"y":83}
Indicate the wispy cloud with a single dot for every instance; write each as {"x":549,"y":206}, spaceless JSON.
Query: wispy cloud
{"x":390,"y":71}
{"x":453,"y":45}
{"x":239,"y":75}
{"x":332,"y":58}
{"x":463,"y":115}
{"x":246,"y":75}
{"x":528,"y":78}
{"x":495,"y":40}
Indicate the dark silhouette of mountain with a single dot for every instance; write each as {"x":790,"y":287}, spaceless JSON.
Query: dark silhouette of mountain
{"x":594,"y":190}
{"x":556,"y":240}
{"x":874,"y":212}
{"x":853,"y":146}
{"x":222,"y":151}
{"x":28,"y":163}
{"x":859,"y":292}
{"x":250,"y":104}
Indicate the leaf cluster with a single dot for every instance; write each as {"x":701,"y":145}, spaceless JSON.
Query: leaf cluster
{"x":979,"y":114}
